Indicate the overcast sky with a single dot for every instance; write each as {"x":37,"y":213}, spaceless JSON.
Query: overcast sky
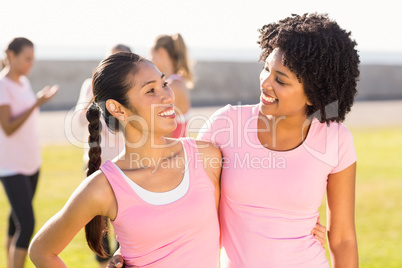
{"x":60,"y":26}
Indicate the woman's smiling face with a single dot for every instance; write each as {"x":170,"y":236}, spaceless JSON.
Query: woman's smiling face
{"x":281,"y":91}
{"x":151,"y":101}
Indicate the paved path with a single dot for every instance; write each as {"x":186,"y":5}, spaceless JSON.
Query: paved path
{"x":56,"y":126}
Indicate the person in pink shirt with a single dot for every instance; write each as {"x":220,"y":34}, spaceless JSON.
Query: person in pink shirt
{"x":20,"y":156}
{"x":283,"y":154}
{"x":160,"y":199}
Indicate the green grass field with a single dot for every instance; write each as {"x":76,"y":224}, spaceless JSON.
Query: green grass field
{"x":378,"y":204}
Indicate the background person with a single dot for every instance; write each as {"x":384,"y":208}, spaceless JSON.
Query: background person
{"x":170,"y":55}
{"x":20,"y":154}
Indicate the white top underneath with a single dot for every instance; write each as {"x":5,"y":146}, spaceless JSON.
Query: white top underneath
{"x":163,"y":198}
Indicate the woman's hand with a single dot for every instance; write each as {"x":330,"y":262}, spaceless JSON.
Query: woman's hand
{"x":11,"y":123}
{"x":46,"y":94}
{"x":319,"y":231}
{"x":116,"y":261}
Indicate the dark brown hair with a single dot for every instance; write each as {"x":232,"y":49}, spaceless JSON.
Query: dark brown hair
{"x":16,"y":45}
{"x":112,"y":79}
{"x":324,"y":58}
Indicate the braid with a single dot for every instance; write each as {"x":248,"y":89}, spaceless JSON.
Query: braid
{"x":111,"y":80}
{"x":94,"y":139}
{"x":97,"y":227}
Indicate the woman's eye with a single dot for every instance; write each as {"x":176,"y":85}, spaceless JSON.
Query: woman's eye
{"x":279,"y":81}
{"x":165,"y":84}
{"x":151,"y":90}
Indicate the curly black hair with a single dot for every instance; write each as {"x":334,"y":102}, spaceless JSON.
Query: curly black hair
{"x":324,"y":58}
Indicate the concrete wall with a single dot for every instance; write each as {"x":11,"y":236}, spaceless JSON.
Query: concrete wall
{"x":69,"y":75}
{"x":217,"y":83}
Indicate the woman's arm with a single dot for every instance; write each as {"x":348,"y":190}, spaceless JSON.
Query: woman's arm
{"x":341,"y":218}
{"x":11,"y":124}
{"x":93,"y":197}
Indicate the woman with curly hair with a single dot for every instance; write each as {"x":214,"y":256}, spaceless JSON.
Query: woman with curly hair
{"x":283,"y":154}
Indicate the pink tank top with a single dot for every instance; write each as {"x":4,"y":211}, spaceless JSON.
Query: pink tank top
{"x":182,"y":233}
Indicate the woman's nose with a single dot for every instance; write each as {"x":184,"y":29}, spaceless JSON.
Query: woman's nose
{"x":265,"y":81}
{"x":168,"y":96}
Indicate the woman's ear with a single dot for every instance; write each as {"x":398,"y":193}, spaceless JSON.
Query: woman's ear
{"x":116,"y":109}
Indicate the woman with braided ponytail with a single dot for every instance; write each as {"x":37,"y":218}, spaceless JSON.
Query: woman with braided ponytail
{"x":161,"y":195}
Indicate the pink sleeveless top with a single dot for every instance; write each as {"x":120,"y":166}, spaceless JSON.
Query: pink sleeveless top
{"x":182,"y":233}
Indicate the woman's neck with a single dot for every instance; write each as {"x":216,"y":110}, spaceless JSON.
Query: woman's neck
{"x":283,"y":128}
{"x":147,"y":149}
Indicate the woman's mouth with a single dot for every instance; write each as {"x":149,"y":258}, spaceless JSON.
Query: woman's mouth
{"x":168,"y":113}
{"x":268,"y":100}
